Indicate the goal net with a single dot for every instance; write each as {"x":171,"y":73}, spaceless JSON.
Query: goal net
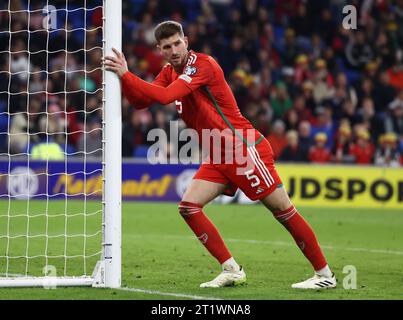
{"x":59,"y":167}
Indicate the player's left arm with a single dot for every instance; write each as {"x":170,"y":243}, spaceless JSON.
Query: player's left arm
{"x":164,"y":95}
{"x":184,"y":85}
{"x":195,"y":75}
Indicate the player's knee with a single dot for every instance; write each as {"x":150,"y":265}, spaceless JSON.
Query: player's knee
{"x":283,"y":206}
{"x":284,"y":213}
{"x":276,"y":205}
{"x":187,"y":209}
{"x":277,"y":201}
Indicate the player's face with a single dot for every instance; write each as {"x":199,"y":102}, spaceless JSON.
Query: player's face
{"x":174,"y":49}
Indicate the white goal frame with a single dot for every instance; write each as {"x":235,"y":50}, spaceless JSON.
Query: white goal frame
{"x":107,"y":272}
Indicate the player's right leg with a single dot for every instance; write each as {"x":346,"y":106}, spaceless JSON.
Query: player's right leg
{"x":201,"y":191}
{"x":259,"y":180}
{"x":284,"y":211}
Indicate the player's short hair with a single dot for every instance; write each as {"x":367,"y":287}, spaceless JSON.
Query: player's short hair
{"x":167,"y":29}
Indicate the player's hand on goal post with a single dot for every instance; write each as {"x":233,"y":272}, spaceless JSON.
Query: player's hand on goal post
{"x":116,"y":64}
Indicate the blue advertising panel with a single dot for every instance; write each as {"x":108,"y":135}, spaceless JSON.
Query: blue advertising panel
{"x":140,"y":181}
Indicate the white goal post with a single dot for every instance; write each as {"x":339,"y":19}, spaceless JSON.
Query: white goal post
{"x":105,"y":271}
{"x":112,"y":150}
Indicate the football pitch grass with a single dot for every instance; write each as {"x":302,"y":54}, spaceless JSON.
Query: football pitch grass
{"x":162,"y":259}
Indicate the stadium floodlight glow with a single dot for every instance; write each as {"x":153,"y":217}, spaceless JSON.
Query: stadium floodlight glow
{"x":59,"y":240}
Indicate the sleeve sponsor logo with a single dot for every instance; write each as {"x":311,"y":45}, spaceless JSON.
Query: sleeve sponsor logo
{"x":186,"y":78}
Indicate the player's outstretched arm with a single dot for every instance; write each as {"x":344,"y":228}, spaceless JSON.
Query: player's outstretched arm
{"x":163,"y":95}
{"x":131,"y":82}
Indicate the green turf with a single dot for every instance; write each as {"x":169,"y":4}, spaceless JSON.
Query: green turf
{"x":160,"y":253}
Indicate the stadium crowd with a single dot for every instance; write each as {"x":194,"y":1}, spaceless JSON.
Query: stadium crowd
{"x":318,"y":91}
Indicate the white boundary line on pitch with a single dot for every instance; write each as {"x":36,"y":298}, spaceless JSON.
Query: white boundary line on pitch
{"x":17,"y":275}
{"x":151,"y":292}
{"x":280,"y":243}
{"x":170,"y":294}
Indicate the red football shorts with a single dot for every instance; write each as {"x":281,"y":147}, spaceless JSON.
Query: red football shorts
{"x":256,"y":175}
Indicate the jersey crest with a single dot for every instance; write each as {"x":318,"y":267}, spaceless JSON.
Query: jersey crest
{"x":190,"y":70}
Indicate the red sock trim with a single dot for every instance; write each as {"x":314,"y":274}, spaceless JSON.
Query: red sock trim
{"x":284,"y":211}
{"x":190,"y":204}
{"x":283,"y":216}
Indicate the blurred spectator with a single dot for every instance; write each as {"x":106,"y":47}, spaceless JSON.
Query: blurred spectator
{"x":53,"y":124}
{"x":25,"y":128}
{"x":365,"y":89}
{"x":293,"y":152}
{"x":316,"y":47}
{"x":341,"y":148}
{"x":263,"y":120}
{"x":90,"y":141}
{"x":46,"y":148}
{"x":383,"y":49}
{"x":324,"y":123}
{"x":307,"y":91}
{"x":277,"y":138}
{"x":325,"y":24}
{"x":288,"y":74}
{"x":291,"y":119}
{"x":303,"y":113}
{"x":302,"y":71}
{"x":319,"y":153}
{"x":384,"y":93}
{"x":370,"y":119}
{"x":394,"y":119}
{"x":349,"y":112}
{"x":280,"y":102}
{"x":300,"y":22}
{"x":388,"y":154}
{"x":395,"y":73}
{"x":20,"y":64}
{"x":322,"y":82}
{"x":18,"y":134}
{"x":358,"y":50}
{"x":341,"y":84}
{"x":287,"y":47}
{"x":362,"y":150}
{"x":304,"y":132}
{"x":135,"y":132}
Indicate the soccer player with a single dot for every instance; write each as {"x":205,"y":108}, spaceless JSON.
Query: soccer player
{"x":204,"y":100}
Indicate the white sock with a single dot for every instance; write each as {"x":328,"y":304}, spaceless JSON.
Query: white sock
{"x":230,"y":265}
{"x":325,"y":272}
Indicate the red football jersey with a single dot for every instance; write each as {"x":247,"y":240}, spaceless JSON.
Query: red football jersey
{"x":319,"y":155}
{"x":211,"y":103}
{"x":205,"y":101}
{"x":363,"y":155}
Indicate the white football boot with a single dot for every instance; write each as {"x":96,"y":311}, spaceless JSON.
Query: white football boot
{"x":317,"y":282}
{"x":226,"y":278}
